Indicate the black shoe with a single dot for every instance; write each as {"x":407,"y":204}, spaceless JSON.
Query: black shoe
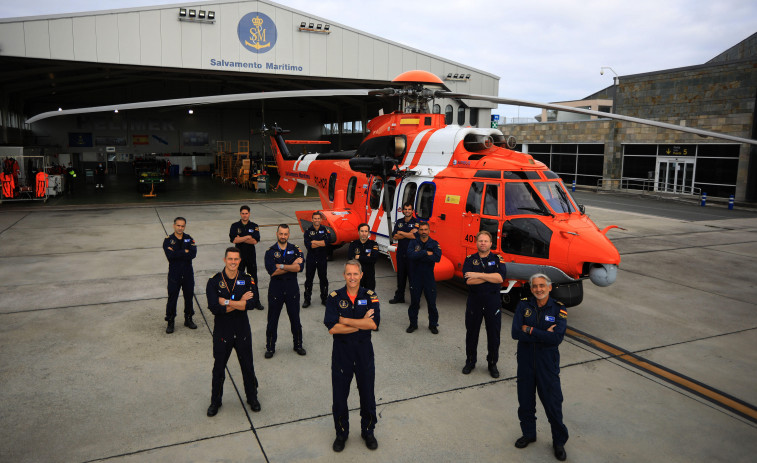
{"x":306,"y":304}
{"x":433,"y":329}
{"x":260,"y":307}
{"x":169,"y":328}
{"x":338,"y":445}
{"x":254,"y":404}
{"x":523,"y":442}
{"x":189,"y":323}
{"x":560,"y":452}
{"x":468,"y":368}
{"x":269,"y":353}
{"x":370,"y":441}
{"x":300,"y":350}
{"x":396,"y":300}
{"x":213,"y":409}
{"x":411,"y":328}
{"x":493,"y":370}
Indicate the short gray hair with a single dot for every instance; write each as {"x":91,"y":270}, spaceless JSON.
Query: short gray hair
{"x":353,"y":262}
{"x":539,"y":275}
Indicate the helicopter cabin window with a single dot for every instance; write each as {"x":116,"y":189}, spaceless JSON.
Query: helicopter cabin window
{"x":520,"y":198}
{"x":425,"y":201}
{"x":555,"y":196}
{"x":437,"y":109}
{"x":474,"y":117}
{"x":351,"y":190}
{"x":347,"y":127}
{"x":473,"y":203}
{"x":392,"y":186}
{"x":357,"y":127}
{"x":375,"y":197}
{"x":526,"y":237}
{"x":490,"y":225}
{"x":332,"y":186}
{"x":408,"y":195}
{"x":461,"y":116}
{"x":448,"y":114}
{"x":491,"y":200}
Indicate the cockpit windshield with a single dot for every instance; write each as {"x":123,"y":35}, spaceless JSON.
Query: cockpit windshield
{"x":556,"y":197}
{"x":520,"y":198}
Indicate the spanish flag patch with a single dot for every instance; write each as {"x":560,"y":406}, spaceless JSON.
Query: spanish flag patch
{"x":563,"y":313}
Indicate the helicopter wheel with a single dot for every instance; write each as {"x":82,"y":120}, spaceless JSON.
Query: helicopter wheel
{"x":510,"y":299}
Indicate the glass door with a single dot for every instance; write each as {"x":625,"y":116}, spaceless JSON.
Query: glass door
{"x":674,"y":175}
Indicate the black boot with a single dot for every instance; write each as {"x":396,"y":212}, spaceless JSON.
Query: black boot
{"x":493,"y":370}
{"x":470,"y":364}
{"x":189,"y":323}
{"x":298,"y":343}
{"x":169,"y":328}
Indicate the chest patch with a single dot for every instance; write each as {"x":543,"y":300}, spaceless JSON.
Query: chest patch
{"x":343,"y":304}
{"x":549,"y":318}
{"x":362,"y":302}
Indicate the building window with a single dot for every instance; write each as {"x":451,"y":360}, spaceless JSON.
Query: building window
{"x":448,"y":114}
{"x":474,"y":117}
{"x":461,"y":116}
{"x":437,"y":109}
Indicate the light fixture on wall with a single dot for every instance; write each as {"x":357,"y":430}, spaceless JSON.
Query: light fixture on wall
{"x":313,"y":27}
{"x":458,"y":77}
{"x":191,"y":111}
{"x":195,"y":16}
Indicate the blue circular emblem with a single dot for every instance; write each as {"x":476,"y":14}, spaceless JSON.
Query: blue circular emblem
{"x":257,"y":32}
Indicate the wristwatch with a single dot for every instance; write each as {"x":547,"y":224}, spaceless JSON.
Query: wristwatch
{"x":227,"y":302}
{"x":281,"y":266}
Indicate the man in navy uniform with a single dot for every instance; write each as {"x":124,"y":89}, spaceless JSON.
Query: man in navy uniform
{"x":422,"y":255}
{"x":365,"y":251}
{"x":405,"y":230}
{"x":317,"y":239}
{"x":484,"y":273}
{"x":245,"y":234}
{"x":539,"y":325}
{"x":283,"y":261}
{"x":231,"y":293}
{"x":180,"y":249}
{"x":352,"y":312}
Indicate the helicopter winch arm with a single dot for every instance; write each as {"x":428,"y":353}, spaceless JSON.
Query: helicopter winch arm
{"x":202,"y":100}
{"x":664,"y":125}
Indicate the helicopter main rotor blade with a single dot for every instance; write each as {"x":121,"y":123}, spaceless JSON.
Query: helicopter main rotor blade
{"x":202,"y":100}
{"x":664,"y":125}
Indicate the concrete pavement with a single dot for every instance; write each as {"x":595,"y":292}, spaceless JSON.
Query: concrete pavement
{"x":87,"y":372}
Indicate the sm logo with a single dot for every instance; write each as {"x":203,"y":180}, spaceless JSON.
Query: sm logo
{"x":257,"y":32}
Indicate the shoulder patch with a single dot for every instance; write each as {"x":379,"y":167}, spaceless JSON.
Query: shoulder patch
{"x":524,"y":299}
{"x":369,"y":292}
{"x":559,"y":303}
{"x":333,"y":294}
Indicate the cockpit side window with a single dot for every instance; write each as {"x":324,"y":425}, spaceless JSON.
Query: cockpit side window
{"x":491,"y":200}
{"x":555,"y":195}
{"x":473,"y":203}
{"x":520,"y":198}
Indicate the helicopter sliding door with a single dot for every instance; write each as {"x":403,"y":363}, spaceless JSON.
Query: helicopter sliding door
{"x":481,"y":213}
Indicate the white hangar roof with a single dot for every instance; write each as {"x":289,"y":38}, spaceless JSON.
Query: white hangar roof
{"x":251,"y":38}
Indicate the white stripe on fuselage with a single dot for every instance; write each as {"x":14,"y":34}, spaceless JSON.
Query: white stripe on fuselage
{"x":440,"y":148}
{"x":413,"y":148}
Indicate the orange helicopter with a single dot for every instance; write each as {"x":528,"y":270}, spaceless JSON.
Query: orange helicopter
{"x":460,"y":180}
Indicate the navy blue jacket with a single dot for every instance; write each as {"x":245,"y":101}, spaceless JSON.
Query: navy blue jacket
{"x":338,"y":304}
{"x":311,"y":234}
{"x":275,"y":256}
{"x":540,"y":318}
{"x":179,"y":261}
{"x":402,"y":226}
{"x":489,"y":264}
{"x":220,"y":285}
{"x":418,"y":257}
{"x":240,"y":229}
{"x":365,"y":253}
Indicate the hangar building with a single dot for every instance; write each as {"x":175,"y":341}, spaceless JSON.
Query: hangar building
{"x":198,"y":49}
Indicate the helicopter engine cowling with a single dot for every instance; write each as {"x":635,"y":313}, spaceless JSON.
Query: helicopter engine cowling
{"x":603,"y":274}
{"x":379,"y":165}
{"x":477,"y":142}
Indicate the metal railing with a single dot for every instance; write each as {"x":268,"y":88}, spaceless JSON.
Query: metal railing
{"x":647,"y":186}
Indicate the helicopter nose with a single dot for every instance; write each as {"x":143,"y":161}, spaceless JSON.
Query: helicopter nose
{"x":603,"y":274}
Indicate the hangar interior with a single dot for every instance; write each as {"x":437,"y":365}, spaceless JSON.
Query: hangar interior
{"x":169,"y":52}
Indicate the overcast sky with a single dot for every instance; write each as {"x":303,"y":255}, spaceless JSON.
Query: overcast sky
{"x":542,"y":50}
